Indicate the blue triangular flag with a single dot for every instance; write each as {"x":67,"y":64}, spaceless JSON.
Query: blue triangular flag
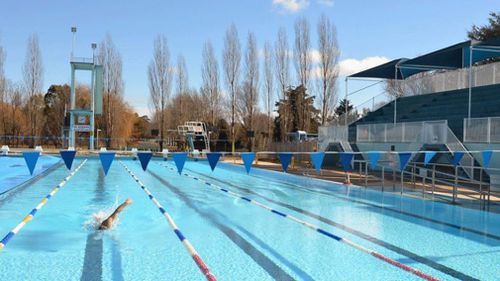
{"x":144,"y":157}
{"x":428,"y":156}
{"x":213,"y":158}
{"x":486,"y":158}
{"x":68,"y":156}
{"x":317,"y":160}
{"x":374,"y":156}
{"x":346,"y":159}
{"x":285,"y":158}
{"x":248,"y":158}
{"x":106,"y":160}
{"x":179,"y":159}
{"x":31,"y":157}
{"x":404,"y":157}
{"x":457,"y":156}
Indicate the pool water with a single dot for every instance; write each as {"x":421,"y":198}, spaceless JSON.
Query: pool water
{"x":13,"y":170}
{"x":237,"y":240}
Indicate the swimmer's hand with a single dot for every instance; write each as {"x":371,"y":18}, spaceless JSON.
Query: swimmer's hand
{"x":129,"y":201}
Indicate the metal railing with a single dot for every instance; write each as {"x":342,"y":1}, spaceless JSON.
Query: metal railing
{"x":482,"y":130}
{"x":405,"y":132}
{"x":482,"y":75}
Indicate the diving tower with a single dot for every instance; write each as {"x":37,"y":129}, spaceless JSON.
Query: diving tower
{"x":83,"y":119}
{"x":196,"y":135}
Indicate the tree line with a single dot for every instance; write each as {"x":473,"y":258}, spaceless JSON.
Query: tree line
{"x":244,"y":76}
{"x":249,"y":95}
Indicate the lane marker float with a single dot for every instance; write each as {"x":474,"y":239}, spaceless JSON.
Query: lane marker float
{"x":326,"y":233}
{"x":196,"y":257}
{"x":33,"y":212}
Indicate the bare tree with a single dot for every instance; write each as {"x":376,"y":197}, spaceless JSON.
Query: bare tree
{"x":182,"y":87}
{"x":160,"y":80}
{"x":303,"y":63}
{"x":302,"y":51}
{"x":268,"y":85}
{"x":250,"y":89}
{"x":210,"y":90}
{"x":231,"y":63}
{"x":109,"y":57}
{"x":3,"y":92}
{"x":282,"y":64}
{"x":33,"y":81}
{"x":328,"y":66}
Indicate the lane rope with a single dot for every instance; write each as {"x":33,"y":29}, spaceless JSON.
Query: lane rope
{"x":196,"y":257}
{"x":33,"y":212}
{"x":316,"y":228}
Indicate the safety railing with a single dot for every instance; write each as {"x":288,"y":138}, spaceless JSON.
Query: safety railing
{"x":482,"y":130}
{"x":406,"y":132}
{"x":449,"y":80}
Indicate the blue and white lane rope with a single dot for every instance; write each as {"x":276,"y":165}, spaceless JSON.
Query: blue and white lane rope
{"x":33,"y":212}
{"x":196,"y":257}
{"x":328,"y":234}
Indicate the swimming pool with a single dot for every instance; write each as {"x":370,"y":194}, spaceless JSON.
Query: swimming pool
{"x":237,"y":240}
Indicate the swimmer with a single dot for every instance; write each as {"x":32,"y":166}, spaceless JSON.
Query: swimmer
{"x":108,"y":223}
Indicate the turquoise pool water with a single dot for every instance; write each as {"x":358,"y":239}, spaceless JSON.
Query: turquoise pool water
{"x":13,"y":170}
{"x":237,"y":240}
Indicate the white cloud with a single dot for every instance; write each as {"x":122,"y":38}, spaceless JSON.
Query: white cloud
{"x":315,"y":56}
{"x":351,"y":66}
{"x":328,"y":3}
{"x":291,"y":6}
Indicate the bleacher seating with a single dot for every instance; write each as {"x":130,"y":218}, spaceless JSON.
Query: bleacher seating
{"x":450,"y":105}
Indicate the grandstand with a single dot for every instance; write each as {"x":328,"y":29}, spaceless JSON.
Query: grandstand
{"x":449,"y":100}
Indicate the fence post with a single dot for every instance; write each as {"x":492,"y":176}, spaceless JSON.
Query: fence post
{"x":383,"y":178}
{"x":402,"y":181}
{"x":433,"y":178}
{"x":366,"y":174}
{"x":488,"y":137}
{"x":455,"y":185}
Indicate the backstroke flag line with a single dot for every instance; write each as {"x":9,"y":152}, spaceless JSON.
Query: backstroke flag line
{"x":486,"y":158}
{"x":106,"y":160}
{"x":457,"y":156}
{"x":248,"y":158}
{"x":68,"y":156}
{"x":179,"y":160}
{"x":346,"y":159}
{"x":213,"y":158}
{"x":285,"y":158}
{"x":31,"y":157}
{"x":404,"y":157}
{"x":144,"y":157}
{"x":317,"y":160}
{"x":428,"y":156}
{"x":374,"y":156}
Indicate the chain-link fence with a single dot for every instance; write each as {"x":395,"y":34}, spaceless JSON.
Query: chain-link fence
{"x":408,"y":132}
{"x":482,"y":130}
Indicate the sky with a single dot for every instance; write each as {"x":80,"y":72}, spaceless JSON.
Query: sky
{"x":369,"y":32}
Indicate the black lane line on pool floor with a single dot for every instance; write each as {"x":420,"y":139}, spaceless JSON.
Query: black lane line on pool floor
{"x":461,"y":228}
{"x":92,"y":261}
{"x":262,"y":260}
{"x":423,"y":260}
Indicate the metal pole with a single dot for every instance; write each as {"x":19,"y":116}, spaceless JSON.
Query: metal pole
{"x":480,"y":183}
{"x":455,"y":184}
{"x":395,"y":96}
{"x":383,"y":178}
{"x":433,"y":178}
{"x":470,"y":83}
{"x":346,"y":108}
{"x":72,"y":107}
{"x":402,"y":175}
{"x":366,"y":174}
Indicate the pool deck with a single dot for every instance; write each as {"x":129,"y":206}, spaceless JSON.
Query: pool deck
{"x":442,"y":193}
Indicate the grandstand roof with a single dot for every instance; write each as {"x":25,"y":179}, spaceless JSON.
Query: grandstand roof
{"x":451,"y":57}
{"x":383,"y":71}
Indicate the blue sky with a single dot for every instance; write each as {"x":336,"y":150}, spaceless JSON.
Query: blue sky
{"x":369,"y":32}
